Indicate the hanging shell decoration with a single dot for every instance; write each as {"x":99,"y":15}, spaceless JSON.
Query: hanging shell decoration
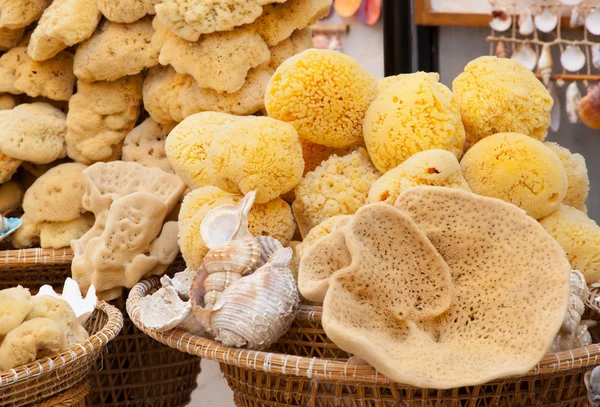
{"x":573,"y":97}
{"x":8,"y":226}
{"x":556,"y":111}
{"x":577,"y":20}
{"x":544,"y":64}
{"x":592,"y":22}
{"x":501,"y":20}
{"x":501,"y":51}
{"x":546,"y":21}
{"x":570,"y":2}
{"x":572,"y":58}
{"x":526,"y":26}
{"x":526,"y":56}
{"x":596,"y":56}
{"x":82,"y":307}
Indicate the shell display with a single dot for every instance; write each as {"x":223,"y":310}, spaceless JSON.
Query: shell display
{"x":181,"y":282}
{"x":572,"y":58}
{"x":592,"y":384}
{"x":596,"y":56}
{"x":573,"y":97}
{"x":258,"y":309}
{"x":544,"y":64}
{"x":82,"y":307}
{"x":227,"y":222}
{"x":546,"y":21}
{"x":570,"y":2}
{"x":501,"y":20}
{"x":592,"y":22}
{"x":526,"y":25}
{"x":526,"y":56}
{"x":555,"y":112}
{"x":577,"y":20}
{"x":501,"y":51}
{"x":8,"y":226}
{"x":574,"y":332}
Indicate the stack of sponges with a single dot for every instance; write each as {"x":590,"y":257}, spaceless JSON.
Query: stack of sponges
{"x":34,"y":327}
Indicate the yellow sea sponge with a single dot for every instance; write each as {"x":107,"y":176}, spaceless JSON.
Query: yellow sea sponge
{"x":517,"y":169}
{"x":500,"y":95}
{"x":577,"y":174}
{"x":412,"y":113}
{"x":255,"y":154}
{"x":339,"y":186}
{"x":273,"y":218}
{"x":187,"y":145}
{"x":324,"y":95}
{"x":579,"y":236}
{"x":438,"y":168}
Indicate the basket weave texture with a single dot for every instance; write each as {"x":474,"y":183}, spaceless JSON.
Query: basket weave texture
{"x":38,"y":382}
{"x":133,"y":370}
{"x":306,"y":369}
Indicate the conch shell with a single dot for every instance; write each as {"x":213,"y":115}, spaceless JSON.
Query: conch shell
{"x":227,"y":222}
{"x":573,"y":332}
{"x":255,"y":310}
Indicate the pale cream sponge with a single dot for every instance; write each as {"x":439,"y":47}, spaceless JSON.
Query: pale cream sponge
{"x":517,"y":169}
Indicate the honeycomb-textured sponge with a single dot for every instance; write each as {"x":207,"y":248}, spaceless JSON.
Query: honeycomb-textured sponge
{"x":299,"y":41}
{"x":517,"y":169}
{"x":15,"y":14}
{"x":412,"y":113}
{"x":145,"y":144}
{"x":339,"y":186}
{"x":324,"y":95}
{"x":579,"y":236}
{"x":58,"y":235}
{"x":500,"y":95}
{"x":11,"y":197}
{"x":126,"y":11}
{"x":577,"y":174}
{"x":52,"y":78}
{"x":8,"y":167}
{"x":9,"y":38}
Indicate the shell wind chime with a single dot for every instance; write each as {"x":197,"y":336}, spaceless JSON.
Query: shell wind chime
{"x":244,"y":293}
{"x":531,"y":32}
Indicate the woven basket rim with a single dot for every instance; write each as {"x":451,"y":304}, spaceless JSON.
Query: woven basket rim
{"x":34,"y":256}
{"x":314,"y":368}
{"x":68,"y":356}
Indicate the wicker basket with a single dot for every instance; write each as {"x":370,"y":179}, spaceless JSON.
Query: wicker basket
{"x":63,"y":378}
{"x":134,"y":370}
{"x":305,"y":369}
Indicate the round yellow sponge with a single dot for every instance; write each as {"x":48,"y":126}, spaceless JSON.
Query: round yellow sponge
{"x":577,"y":174}
{"x":519,"y":170}
{"x":498,"y":95}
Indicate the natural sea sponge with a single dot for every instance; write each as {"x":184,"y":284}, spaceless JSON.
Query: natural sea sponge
{"x":500,"y":95}
{"x":430,"y":167}
{"x":579,"y":236}
{"x":8,"y":102}
{"x":56,"y":196}
{"x":59,"y":311}
{"x":190,"y":19}
{"x":33,"y":132}
{"x":171,"y":97}
{"x":274,"y":219}
{"x":9,"y":38}
{"x":126,"y":11}
{"x":255,"y":154}
{"x":8,"y":166}
{"x":32,"y":340}
{"x":299,"y":41}
{"x":339,"y":186}
{"x":63,"y":24}
{"x":11,"y":197}
{"x":9,"y":62}
{"x":116,"y":50}
{"x":145,"y":144}
{"x":57,"y":235}
{"x":27,"y":235}
{"x":100,"y":115}
{"x":187,"y":145}
{"x":52,"y":78}
{"x":218,"y":61}
{"x":517,"y":169}
{"x":335,"y":86}
{"x":577,"y":175}
{"x":411,"y":114}
{"x":15,"y":14}
{"x":15,"y":304}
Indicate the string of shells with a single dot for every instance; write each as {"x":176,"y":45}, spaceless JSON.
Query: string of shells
{"x":243,"y":295}
{"x":533,"y":33}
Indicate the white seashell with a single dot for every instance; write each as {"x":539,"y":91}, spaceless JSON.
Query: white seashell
{"x":227,"y":222}
{"x":555,"y":112}
{"x":544,"y":64}
{"x":181,"y":282}
{"x":526,"y":25}
{"x":592,"y":22}
{"x":572,"y":58}
{"x":236,"y":256}
{"x":268,"y":245}
{"x":546,"y":21}
{"x":596,"y":56}
{"x":526,"y":56}
{"x":577,"y":20}
{"x":570,"y":2}
{"x":501,"y":20}
{"x":258,"y":309}
{"x":576,"y":278}
{"x":82,"y":307}
{"x":8,"y":226}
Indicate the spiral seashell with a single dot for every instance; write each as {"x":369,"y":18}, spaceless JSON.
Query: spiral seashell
{"x":215,"y":284}
{"x":227,"y":222}
{"x":578,"y":284}
{"x":258,"y":309}
{"x":268,"y":245}
{"x":236,"y":256}
{"x":501,"y":51}
{"x":573,"y":97}
{"x":544,"y":64}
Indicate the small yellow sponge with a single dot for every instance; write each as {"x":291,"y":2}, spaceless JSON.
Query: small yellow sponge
{"x":498,"y":95}
{"x":412,"y":113}
{"x":339,"y":186}
{"x":579,"y":236}
{"x":438,"y":168}
{"x":517,"y":169}
{"x":324,"y":95}
{"x":577,"y":174}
